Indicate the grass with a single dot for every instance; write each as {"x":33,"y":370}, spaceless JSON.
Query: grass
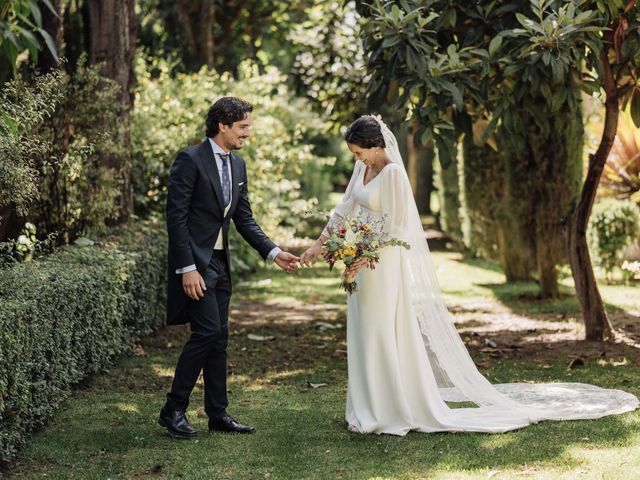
{"x":107,"y":428}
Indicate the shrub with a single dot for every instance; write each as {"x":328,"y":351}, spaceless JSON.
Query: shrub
{"x":613,"y":225}
{"x":24,"y":110}
{"x":70,"y":314}
{"x":52,"y":133}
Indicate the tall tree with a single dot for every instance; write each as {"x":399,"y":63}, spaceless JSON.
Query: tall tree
{"x":617,"y":66}
{"x":111,"y":29}
{"x":556,"y":48}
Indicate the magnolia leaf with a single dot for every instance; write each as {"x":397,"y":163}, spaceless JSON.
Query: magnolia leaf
{"x":495,"y":45}
{"x":35,"y":12}
{"x":390,"y":41}
{"x":50,"y":7}
{"x":50,"y":43}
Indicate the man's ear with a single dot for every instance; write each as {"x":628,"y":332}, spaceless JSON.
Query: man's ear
{"x":222,"y":127}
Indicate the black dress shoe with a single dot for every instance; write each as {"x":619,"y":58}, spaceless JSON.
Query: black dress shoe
{"x":226,"y":423}
{"x":176,"y":423}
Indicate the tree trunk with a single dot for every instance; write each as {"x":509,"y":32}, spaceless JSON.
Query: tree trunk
{"x":53,"y":25}
{"x":543,"y":170}
{"x":197,"y":20}
{"x":449,"y":198}
{"x":560,"y":167}
{"x":596,"y":321}
{"x":482,"y":180}
{"x":207,"y":18}
{"x":515,"y":261}
{"x":420,"y":171}
{"x":112,"y":30}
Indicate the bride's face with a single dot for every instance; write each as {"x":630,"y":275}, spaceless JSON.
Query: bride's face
{"x":365,"y":155}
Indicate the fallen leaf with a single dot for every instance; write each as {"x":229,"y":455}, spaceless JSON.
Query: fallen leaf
{"x":260,"y":338}
{"x":316,"y":385}
{"x":83,"y":242}
{"x":138,"y":351}
{"x":326,"y":325}
{"x":576,"y":362}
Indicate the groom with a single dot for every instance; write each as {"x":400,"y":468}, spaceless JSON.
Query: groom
{"x":207,"y":189}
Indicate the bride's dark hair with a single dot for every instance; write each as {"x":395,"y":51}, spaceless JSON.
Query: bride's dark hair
{"x":365,"y":132}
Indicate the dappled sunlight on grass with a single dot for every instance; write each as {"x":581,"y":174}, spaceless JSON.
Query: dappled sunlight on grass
{"x":164,"y":371}
{"x":127,"y":407}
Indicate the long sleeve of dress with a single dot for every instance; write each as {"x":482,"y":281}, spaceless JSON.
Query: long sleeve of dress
{"x":347,"y":206}
{"x":395,"y":198}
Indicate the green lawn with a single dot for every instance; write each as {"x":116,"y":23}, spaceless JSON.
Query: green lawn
{"x":107,"y":428}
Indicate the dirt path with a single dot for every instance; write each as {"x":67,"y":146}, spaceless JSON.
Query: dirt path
{"x":297,"y":332}
{"x":490,"y":327}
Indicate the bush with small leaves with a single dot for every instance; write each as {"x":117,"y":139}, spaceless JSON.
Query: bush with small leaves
{"x":614,"y":224}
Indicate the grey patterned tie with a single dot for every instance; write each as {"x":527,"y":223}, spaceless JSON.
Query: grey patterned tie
{"x":226,"y":181}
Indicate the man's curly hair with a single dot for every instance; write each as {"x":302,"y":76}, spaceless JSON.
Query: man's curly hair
{"x":226,"y":110}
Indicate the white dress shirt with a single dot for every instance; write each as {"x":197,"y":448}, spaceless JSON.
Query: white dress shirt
{"x":219,"y":245}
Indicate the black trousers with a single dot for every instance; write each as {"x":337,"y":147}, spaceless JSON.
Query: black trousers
{"x":206,"y":349}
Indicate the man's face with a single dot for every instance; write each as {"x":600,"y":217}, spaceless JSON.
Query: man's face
{"x":234,"y":136}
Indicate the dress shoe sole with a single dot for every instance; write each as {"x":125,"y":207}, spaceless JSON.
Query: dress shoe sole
{"x":233,"y":432}
{"x":174,"y":434}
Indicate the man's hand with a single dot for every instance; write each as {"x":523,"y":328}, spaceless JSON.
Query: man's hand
{"x":193,"y":285}
{"x":287,"y":261}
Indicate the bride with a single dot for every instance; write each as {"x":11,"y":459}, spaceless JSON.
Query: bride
{"x":405,"y":356}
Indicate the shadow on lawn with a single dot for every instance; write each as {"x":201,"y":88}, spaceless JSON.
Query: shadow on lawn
{"x":523,"y":296}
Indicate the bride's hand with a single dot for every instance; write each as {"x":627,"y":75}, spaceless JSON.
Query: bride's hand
{"x":351,"y":270}
{"x":309,"y":257}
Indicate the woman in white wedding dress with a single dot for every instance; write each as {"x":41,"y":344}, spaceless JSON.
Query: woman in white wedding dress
{"x":405,"y":356}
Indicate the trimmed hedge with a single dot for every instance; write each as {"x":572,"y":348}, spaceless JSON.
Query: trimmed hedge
{"x":71,"y":314}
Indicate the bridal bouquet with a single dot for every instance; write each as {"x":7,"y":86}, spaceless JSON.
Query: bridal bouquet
{"x":352,"y":240}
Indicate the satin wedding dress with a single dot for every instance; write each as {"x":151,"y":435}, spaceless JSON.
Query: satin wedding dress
{"x":405,"y":356}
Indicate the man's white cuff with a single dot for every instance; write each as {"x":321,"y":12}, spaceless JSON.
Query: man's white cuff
{"x":273,"y":254}
{"x":190,"y":268}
